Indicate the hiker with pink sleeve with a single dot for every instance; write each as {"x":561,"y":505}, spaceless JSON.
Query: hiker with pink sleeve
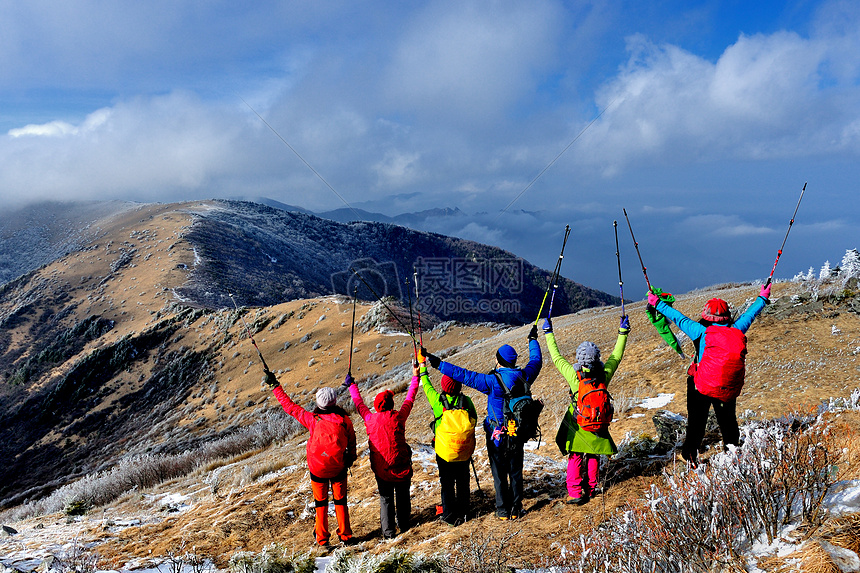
{"x":390,"y":455}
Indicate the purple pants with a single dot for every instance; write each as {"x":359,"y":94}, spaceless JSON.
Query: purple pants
{"x":575,"y":481}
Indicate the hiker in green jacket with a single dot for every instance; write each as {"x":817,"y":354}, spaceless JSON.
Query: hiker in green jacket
{"x":454,"y":443}
{"x":584,"y":431}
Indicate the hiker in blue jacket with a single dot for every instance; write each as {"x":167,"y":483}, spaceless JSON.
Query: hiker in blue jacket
{"x":710,"y":384}
{"x":506,"y":455}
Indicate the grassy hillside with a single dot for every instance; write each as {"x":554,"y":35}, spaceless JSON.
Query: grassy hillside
{"x":160,"y":405}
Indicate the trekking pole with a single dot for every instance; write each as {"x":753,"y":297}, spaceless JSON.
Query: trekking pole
{"x":352,"y":332}
{"x":251,"y":336}
{"x":555,"y":272}
{"x":418,"y":307}
{"x":790,"y":223}
{"x":635,"y":244}
{"x":618,"y":256}
{"x":411,"y":319}
{"x":379,"y":298}
{"x":475,"y":471}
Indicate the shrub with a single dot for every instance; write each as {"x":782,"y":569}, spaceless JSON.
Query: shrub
{"x":395,"y":561}
{"x":707,"y":519}
{"x":272,"y":559}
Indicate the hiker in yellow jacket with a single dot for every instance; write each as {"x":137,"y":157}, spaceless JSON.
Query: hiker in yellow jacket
{"x":584,"y":432}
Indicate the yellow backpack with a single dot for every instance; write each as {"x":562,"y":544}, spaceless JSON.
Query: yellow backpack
{"x":455,"y":432}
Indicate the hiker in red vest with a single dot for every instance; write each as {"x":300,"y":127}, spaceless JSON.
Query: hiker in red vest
{"x":330,"y":453}
{"x":716,"y":376}
{"x":584,"y":432}
{"x":390,"y":455}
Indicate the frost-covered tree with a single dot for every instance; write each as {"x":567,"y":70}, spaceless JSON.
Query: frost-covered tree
{"x":850,"y":266}
{"x":824,"y":273}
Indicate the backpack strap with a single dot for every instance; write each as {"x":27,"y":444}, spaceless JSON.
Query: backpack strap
{"x":446,"y":405}
{"x":508,"y":392}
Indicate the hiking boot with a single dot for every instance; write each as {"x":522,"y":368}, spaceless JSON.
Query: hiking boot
{"x":582,"y":500}
{"x":595,"y":491}
{"x":502,"y":516}
{"x":691,"y":459}
{"x":518,"y":514}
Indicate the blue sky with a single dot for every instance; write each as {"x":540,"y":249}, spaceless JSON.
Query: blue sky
{"x":702,"y":119}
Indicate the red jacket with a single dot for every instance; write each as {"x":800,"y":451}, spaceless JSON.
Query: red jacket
{"x":308,"y":420}
{"x":390,"y":455}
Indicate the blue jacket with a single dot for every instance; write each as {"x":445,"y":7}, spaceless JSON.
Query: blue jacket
{"x":488,"y":383}
{"x":696,"y":331}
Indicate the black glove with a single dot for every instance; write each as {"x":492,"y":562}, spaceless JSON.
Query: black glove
{"x":533,"y":332}
{"x":547,"y":325}
{"x":434,"y":361}
{"x":348,"y":381}
{"x":270,"y":380}
{"x":624,"y":327}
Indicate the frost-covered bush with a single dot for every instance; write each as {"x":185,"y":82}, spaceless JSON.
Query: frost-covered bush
{"x":272,"y":559}
{"x":849,"y":268}
{"x":709,"y":518}
{"x":395,"y":561}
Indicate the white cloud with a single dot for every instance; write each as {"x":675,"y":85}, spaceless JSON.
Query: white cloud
{"x":760,"y":99}
{"x":724,"y":226}
{"x":50,"y":129}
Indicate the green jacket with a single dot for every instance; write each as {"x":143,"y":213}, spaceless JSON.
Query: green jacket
{"x":570,"y":435}
{"x":434,"y":397}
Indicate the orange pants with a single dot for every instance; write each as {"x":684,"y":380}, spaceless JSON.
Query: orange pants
{"x":338,"y":490}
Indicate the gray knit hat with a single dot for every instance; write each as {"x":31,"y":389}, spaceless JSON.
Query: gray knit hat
{"x":326,"y":397}
{"x":588,"y":355}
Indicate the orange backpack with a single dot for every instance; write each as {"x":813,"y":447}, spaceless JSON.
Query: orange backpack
{"x":594,"y":407}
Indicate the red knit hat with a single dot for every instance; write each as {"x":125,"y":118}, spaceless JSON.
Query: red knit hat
{"x":384,"y":401}
{"x":717,"y":310}
{"x":450,"y":386}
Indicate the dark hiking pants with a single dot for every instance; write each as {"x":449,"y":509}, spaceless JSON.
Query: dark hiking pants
{"x":454,"y":480}
{"x":698,"y":406}
{"x":507,"y":466}
{"x":394,"y":501}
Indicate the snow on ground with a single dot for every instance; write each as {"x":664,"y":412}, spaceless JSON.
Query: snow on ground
{"x":660,"y":401}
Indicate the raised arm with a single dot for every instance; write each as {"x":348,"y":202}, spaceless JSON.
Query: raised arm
{"x":746,"y":319}
{"x":357,"y":399}
{"x":532,"y":369}
{"x":614,"y":359}
{"x":564,"y":367}
{"x":690,"y":327}
{"x":304,"y":417}
{"x":481,"y":382}
{"x":406,"y":408}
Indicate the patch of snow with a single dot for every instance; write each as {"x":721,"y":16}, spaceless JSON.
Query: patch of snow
{"x":660,"y":401}
{"x":843,"y":498}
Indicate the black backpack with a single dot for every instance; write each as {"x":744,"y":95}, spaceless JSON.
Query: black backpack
{"x":521,"y":411}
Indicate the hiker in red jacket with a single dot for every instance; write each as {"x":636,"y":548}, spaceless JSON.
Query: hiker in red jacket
{"x":716,"y":376}
{"x":390,"y":455}
{"x":330,"y":453}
